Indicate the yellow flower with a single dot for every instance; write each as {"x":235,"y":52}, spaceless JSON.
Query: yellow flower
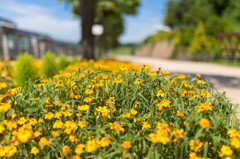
{"x":58,"y":124}
{"x":183,"y":92}
{"x":76,"y":157}
{"x":204,"y":123}
{"x":126,"y":115}
{"x":12,"y":150}
{"x":5,"y":107}
{"x":43,"y":141}
{"x":204,"y":107}
{"x":73,"y":138}
{"x":180,"y":114}
{"x":37,"y":134}
{"x":57,"y":101}
{"x":198,"y":75}
{"x":83,"y":107}
{"x":79,"y":148}
{"x":34,"y":150}
{"x":235,"y":142}
{"x":177,"y":134}
{"x":82,"y":124}
{"x":145,"y":125}
{"x":163,"y":127}
{"x":47,"y":100}
{"x":198,"y":145}
{"x":166,"y":72}
{"x":88,"y":99}
{"x":104,"y":142}
{"x":232,"y":133}
{"x":40,"y":121}
{"x":55,"y":133}
{"x":160,"y":93}
{"x":164,"y":103}
{"x":88,"y":91}
{"x":3,"y":85}
{"x":226,"y":150}
{"x":24,"y":135}
{"x":3,"y":151}
{"x":33,"y":121}
{"x":91,"y":145}
{"x":66,"y":150}
{"x":11,"y":124}
{"x":124,"y":155}
{"x":78,"y":114}
{"x":2,"y":128}
{"x":193,"y":155}
{"x":137,"y":81}
{"x":49,"y":116}
{"x":123,"y":68}
{"x":126,"y":144}
{"x":202,"y":82}
{"x":159,"y":136}
{"x":133,"y":111}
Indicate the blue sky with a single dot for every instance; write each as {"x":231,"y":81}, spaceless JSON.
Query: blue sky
{"x":55,"y":19}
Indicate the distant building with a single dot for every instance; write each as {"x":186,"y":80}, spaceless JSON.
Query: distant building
{"x":14,"y":41}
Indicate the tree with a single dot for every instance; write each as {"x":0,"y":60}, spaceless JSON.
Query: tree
{"x":109,"y":13}
{"x":87,"y":13}
{"x":85,"y":9}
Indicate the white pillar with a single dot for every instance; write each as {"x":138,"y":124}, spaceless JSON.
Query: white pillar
{"x":1,"y":43}
{"x":17,"y":45}
{"x":36,"y":49}
{"x":5,"y":46}
{"x":29,"y":45}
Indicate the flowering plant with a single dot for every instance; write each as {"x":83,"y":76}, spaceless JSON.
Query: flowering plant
{"x":111,"y":109}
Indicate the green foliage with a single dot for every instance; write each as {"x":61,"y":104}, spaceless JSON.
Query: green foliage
{"x":123,"y":50}
{"x":25,"y":69}
{"x":183,"y":36}
{"x":186,"y":12}
{"x":200,"y":41}
{"x":62,"y":62}
{"x":48,"y":66}
{"x":218,"y":16}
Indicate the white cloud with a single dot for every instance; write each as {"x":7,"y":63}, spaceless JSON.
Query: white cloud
{"x":40,"y":19}
{"x":144,"y":24}
{"x":137,"y":29}
{"x":161,"y":27}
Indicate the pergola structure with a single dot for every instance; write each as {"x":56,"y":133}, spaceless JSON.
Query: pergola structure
{"x":230,"y":45}
{"x":14,"y":41}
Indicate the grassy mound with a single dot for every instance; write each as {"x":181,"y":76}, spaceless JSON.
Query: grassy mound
{"x":110,"y":109}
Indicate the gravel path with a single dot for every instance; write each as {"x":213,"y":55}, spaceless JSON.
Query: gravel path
{"x":222,"y":78}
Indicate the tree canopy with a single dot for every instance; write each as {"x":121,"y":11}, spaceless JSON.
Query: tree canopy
{"x":225,"y":13}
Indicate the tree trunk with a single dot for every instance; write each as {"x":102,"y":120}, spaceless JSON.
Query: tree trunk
{"x":87,"y":8}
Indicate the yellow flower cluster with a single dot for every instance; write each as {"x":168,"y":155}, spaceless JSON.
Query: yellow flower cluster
{"x":113,"y":109}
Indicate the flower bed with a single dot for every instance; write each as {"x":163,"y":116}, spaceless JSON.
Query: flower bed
{"x":111,"y":109}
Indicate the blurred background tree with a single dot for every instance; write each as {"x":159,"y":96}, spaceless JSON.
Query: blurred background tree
{"x":217,"y":16}
{"x":109,"y":13}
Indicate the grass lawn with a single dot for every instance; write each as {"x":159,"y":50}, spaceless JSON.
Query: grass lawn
{"x":122,"y":50}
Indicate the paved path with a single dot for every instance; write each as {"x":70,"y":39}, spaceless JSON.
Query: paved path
{"x":222,"y":78}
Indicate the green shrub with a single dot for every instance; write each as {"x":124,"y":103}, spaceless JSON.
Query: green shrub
{"x":25,"y":69}
{"x":62,"y":62}
{"x":48,"y":67}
